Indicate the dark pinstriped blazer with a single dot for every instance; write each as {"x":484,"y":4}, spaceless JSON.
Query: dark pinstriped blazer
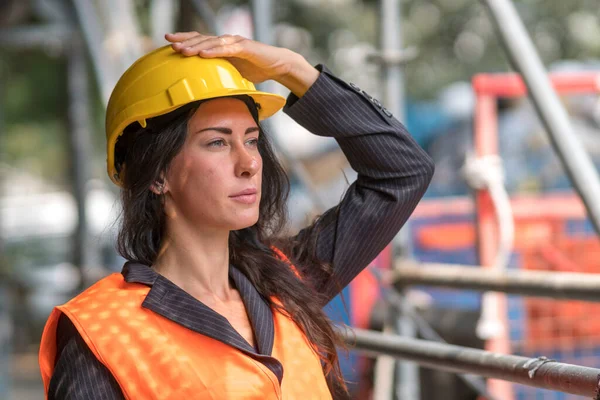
{"x":393,"y":174}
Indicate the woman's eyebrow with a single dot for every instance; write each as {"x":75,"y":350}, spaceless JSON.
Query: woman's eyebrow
{"x":227,"y":131}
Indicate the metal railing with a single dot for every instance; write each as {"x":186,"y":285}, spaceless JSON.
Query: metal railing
{"x":538,"y":372}
{"x":557,"y":285}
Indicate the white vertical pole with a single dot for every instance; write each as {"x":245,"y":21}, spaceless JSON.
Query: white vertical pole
{"x":407,"y":374}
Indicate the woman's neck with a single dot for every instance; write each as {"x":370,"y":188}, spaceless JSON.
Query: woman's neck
{"x":197,"y":261}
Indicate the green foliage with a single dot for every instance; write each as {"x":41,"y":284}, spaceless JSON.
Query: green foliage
{"x":455,"y":38}
{"x":463,"y":42}
{"x":35,"y":86}
{"x":34,"y":105}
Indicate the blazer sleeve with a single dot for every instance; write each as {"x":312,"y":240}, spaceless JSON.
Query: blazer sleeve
{"x":393,"y":174}
{"x":78,"y":375}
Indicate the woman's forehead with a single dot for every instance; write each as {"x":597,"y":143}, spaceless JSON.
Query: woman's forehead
{"x":222,"y":109}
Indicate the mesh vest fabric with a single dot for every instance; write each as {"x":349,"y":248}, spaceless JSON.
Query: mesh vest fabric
{"x":152,"y":357}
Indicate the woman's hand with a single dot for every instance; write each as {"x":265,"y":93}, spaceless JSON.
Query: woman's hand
{"x":256,"y":61}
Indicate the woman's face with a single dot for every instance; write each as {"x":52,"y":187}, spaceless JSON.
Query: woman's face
{"x":215,"y":180}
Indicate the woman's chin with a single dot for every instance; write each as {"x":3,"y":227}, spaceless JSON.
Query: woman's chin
{"x":244,"y":221}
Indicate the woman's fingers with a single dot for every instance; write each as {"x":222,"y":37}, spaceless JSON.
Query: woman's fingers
{"x":186,"y":40}
{"x":210,"y":46}
{"x":231,"y":46}
{"x":256,"y":61}
{"x":194,"y":43}
{"x":180,"y":36}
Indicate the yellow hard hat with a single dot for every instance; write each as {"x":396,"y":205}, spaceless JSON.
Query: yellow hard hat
{"x":163,"y":80}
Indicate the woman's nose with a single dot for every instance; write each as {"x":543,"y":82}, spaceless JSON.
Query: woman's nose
{"x":247,"y":163}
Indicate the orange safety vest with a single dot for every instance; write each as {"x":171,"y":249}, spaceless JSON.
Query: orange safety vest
{"x":152,"y":357}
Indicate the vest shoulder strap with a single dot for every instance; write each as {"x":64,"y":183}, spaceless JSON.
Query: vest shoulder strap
{"x":77,"y":309}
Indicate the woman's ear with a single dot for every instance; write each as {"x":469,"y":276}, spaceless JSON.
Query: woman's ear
{"x":159,"y":187}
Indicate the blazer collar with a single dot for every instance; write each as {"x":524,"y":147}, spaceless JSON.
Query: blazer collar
{"x":172,"y":302}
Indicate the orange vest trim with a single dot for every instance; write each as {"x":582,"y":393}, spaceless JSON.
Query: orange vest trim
{"x":286,"y":260}
{"x":152,"y":357}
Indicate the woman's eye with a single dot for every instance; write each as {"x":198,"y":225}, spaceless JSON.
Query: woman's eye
{"x":217,"y":143}
{"x":253,"y":142}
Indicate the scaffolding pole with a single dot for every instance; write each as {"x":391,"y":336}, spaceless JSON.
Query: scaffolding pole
{"x":527,"y":62}
{"x":538,"y":372}
{"x":407,"y":373}
{"x":85,"y":250}
{"x":557,"y":285}
{"x":106,"y":75}
{"x":391,"y":60}
{"x":394,"y":298}
{"x":6,"y":320}
{"x":262,"y":20}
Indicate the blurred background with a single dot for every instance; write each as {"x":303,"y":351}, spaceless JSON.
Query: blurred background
{"x":59,"y":60}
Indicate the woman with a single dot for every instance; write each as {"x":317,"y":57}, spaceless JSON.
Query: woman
{"x":214,"y":303}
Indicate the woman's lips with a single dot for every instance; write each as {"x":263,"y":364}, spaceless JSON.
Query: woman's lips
{"x":247,"y":196}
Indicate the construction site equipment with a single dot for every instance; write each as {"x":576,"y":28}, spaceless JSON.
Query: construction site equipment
{"x":527,"y":62}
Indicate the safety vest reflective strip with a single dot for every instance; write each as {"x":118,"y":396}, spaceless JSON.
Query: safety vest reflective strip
{"x":152,"y":357}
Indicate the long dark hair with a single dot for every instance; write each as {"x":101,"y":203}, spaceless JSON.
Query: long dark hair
{"x":144,"y":155}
